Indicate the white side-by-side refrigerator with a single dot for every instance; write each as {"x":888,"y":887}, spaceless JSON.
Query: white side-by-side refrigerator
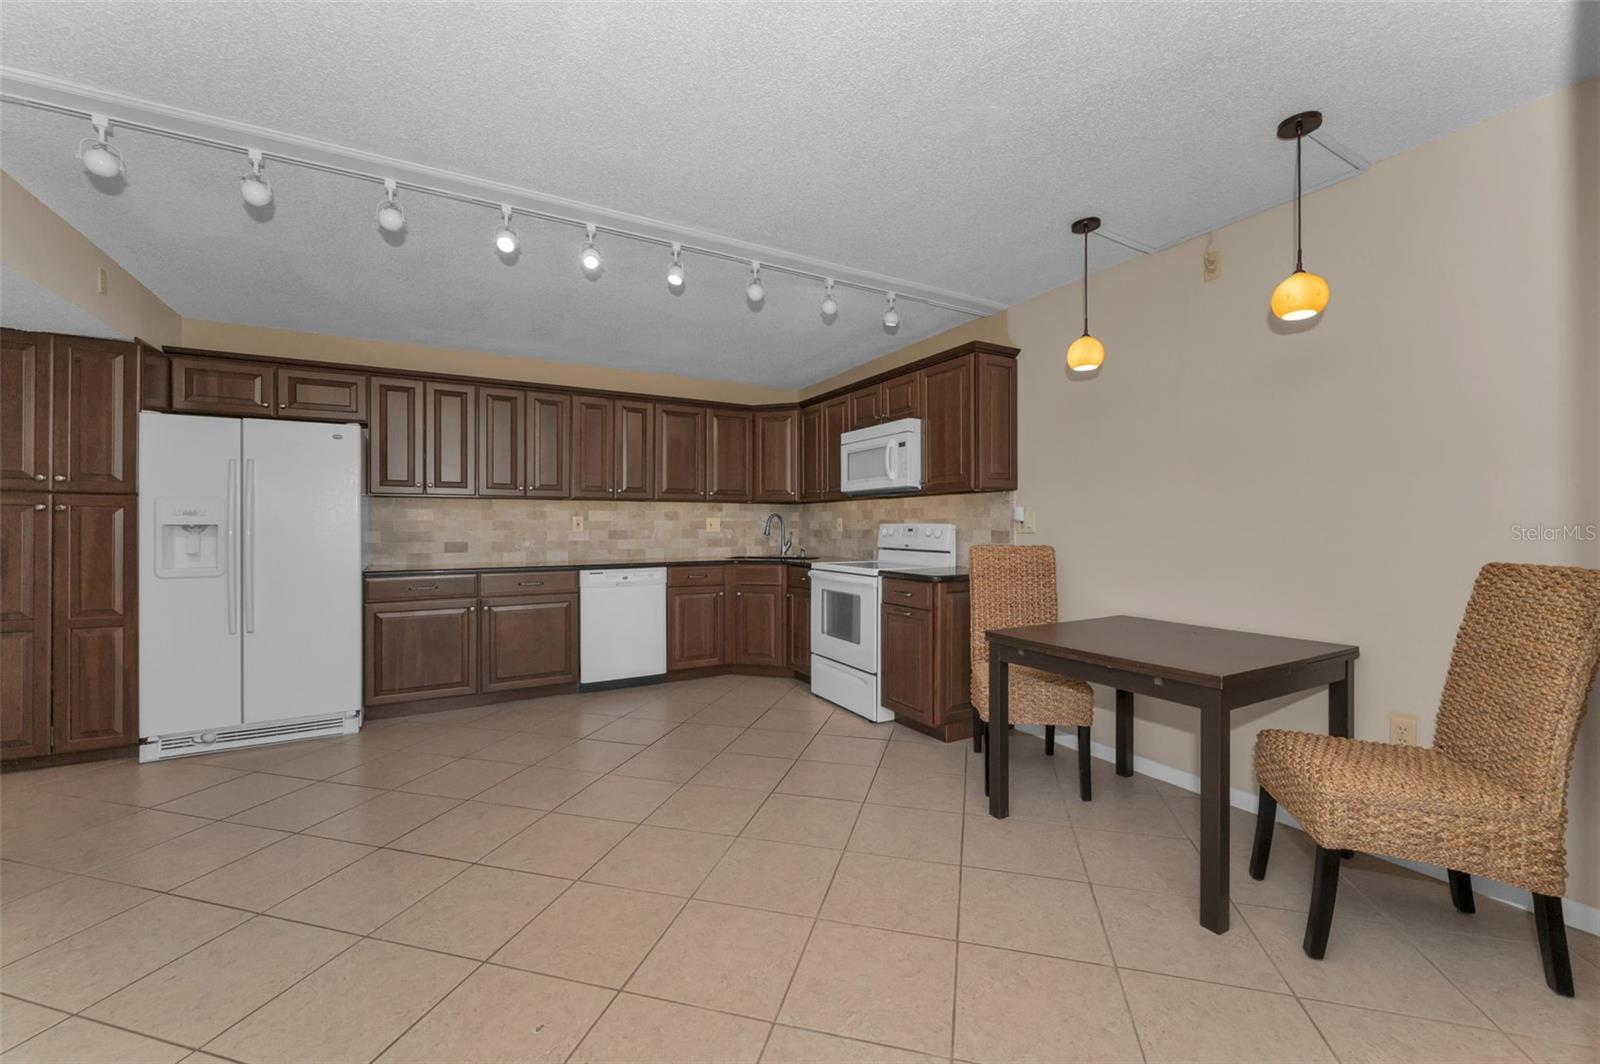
{"x":250,"y":582}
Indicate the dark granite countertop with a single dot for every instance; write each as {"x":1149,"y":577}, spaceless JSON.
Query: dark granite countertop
{"x":943,"y":575}
{"x":448,"y":570}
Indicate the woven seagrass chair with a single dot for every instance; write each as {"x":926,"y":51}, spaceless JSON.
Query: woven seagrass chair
{"x":1012,"y":587}
{"x":1490,"y":797}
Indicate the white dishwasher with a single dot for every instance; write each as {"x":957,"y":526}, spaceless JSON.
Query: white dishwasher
{"x":622,"y":626}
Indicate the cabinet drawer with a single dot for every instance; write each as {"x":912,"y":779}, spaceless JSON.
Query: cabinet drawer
{"x":400,"y":588}
{"x":222,"y":386}
{"x":799,"y":576}
{"x":754,"y":575}
{"x":316,"y":394}
{"x":538,"y":583}
{"x":695,"y":575}
{"x":917,"y":594}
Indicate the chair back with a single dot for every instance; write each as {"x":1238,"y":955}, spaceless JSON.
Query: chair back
{"x":1011,"y":587}
{"x":1520,"y":674}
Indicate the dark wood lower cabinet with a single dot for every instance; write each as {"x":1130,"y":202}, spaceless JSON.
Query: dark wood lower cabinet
{"x":24,"y":624}
{"x":925,"y":672}
{"x":696,"y":627}
{"x":906,"y":659}
{"x":418,"y":650}
{"x":798,"y":622}
{"x":528,"y":642}
{"x":758,"y":626}
{"x":94,"y":629}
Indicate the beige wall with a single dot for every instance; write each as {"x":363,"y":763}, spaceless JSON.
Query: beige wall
{"x":1346,"y":481}
{"x":38,"y":244}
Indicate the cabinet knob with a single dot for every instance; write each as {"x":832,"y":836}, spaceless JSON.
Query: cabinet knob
{"x":265,"y":403}
{"x":60,"y":476}
{"x":60,"y":507}
{"x":38,"y":506}
{"x":280,"y":405}
{"x":38,"y":476}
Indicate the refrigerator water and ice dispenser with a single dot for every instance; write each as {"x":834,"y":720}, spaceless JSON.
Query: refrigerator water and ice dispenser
{"x":189,"y":536}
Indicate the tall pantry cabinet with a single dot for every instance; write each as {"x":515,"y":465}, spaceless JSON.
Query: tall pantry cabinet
{"x":69,"y":559}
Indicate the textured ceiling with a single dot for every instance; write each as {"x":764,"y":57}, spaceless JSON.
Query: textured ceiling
{"x":950,"y":144}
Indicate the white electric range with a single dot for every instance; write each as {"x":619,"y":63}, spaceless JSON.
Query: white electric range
{"x":846,"y":598}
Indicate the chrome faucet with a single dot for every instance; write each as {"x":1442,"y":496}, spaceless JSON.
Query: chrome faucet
{"x":786,"y":541}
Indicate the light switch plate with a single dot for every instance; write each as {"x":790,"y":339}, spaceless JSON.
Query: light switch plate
{"x":713,"y":524}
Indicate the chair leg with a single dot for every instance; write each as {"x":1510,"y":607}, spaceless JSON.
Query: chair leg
{"x":1266,"y":818}
{"x":977,"y":733}
{"x":1553,"y":943}
{"x":1461,"y":892}
{"x":1324,"y":890}
{"x":987,"y":754}
{"x":1049,"y":740}
{"x":1085,"y":783}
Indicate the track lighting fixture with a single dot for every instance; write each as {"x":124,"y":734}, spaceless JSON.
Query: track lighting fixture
{"x":675,"y":271}
{"x":830,"y":305}
{"x":390,"y":218}
{"x":891,"y":316}
{"x":589,"y":255}
{"x":98,"y":156}
{"x":753,"y":291}
{"x":1086,"y":353}
{"x":1300,"y":296}
{"x":256,"y":189}
{"x":505,"y":238}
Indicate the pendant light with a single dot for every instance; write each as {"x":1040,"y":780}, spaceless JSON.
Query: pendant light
{"x":1086,"y":353}
{"x":1300,"y":296}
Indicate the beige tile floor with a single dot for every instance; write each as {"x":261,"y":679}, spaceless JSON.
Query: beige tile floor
{"x":719,"y":869}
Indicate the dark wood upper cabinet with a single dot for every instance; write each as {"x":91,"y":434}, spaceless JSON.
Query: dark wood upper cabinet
{"x":634,"y":476}
{"x":728,"y":455}
{"x":25,"y":592}
{"x":680,"y":451}
{"x":865,"y":406}
{"x":549,"y":448}
{"x":24,"y":410}
{"x":155,"y":378}
{"x":502,"y":448}
{"x":395,"y":443}
{"x":996,"y":422}
{"x":696,"y":627}
{"x":835,"y":422}
{"x":902,"y":396}
{"x":528,"y":642}
{"x":321,"y":395}
{"x":593,"y":445}
{"x":450,"y":423}
{"x":94,"y":416}
{"x":95,"y":607}
{"x":948,"y":453}
{"x":222,"y":386}
{"x":813,"y":458}
{"x":777,"y":463}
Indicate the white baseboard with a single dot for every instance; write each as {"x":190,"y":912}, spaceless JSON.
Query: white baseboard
{"x":1578,"y":915}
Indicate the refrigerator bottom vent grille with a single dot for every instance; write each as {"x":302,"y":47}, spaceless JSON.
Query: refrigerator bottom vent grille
{"x":252,"y":735}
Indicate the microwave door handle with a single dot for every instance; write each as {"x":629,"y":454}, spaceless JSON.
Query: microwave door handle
{"x":891,"y":464}
{"x":232,"y":555}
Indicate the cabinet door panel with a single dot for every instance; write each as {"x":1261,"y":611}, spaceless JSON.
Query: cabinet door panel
{"x":549,"y":450}
{"x":902,"y":396}
{"x":501,"y":445}
{"x":417,"y":650}
{"x":634,"y":473}
{"x":835,"y":422}
{"x":997,"y":423}
{"x":395,"y":444}
{"x":450,"y":424}
{"x":777,"y":455}
{"x":95,"y":652}
{"x":695,"y":627}
{"x":813,"y":456}
{"x":529,"y":642}
{"x":728,"y":455}
{"x":222,"y":386}
{"x":24,"y":410}
{"x":94,"y":415}
{"x":798,"y":623}
{"x":948,"y":450}
{"x":592,"y":447}
{"x":155,"y":379}
{"x":865,"y":406}
{"x":321,"y":395}
{"x":680,"y":451}
{"x":758,"y":625}
{"x":24,"y":624}
{"x":906,"y":668}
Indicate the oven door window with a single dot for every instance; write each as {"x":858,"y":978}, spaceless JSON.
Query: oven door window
{"x":841,"y":615}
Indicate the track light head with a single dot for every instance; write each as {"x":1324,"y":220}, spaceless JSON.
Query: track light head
{"x":505,"y":237}
{"x":830,"y":305}
{"x":256,"y":189}
{"x":675,"y":271}
{"x":753,"y":291}
{"x":98,"y":156}
{"x":891,"y":315}
{"x":391,"y":219}
{"x":589,"y":255}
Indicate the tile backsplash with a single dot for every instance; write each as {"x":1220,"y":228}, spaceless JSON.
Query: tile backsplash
{"x":405,"y":533}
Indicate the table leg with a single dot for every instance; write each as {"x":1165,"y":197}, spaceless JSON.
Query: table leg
{"x":1341,"y":702}
{"x":1124,"y":733}
{"x":1214,"y":819}
{"x":998,"y":748}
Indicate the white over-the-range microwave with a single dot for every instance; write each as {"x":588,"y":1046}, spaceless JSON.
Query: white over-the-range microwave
{"x":882,"y":458}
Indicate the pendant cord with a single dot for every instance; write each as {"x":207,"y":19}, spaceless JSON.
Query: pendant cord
{"x":1298,"y":137}
{"x":1086,"y":284}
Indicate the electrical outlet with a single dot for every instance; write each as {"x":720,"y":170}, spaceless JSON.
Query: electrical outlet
{"x":1028,"y":526}
{"x":713,"y":524}
{"x":577,"y":522}
{"x":838,"y":524}
{"x":100,"y":280}
{"x":1211,"y":265}
{"x":1402,"y":729}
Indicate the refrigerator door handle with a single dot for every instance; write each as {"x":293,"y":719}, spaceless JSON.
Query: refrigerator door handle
{"x":249,"y":523}
{"x":233,"y":552}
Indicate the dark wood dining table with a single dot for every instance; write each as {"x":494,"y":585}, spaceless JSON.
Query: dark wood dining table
{"x":1214,"y":670}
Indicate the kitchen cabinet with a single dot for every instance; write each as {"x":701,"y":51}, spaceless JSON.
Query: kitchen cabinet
{"x":996,"y":419}
{"x":227,"y":386}
{"x":155,"y":379}
{"x":94,"y":416}
{"x":835,"y":418}
{"x":548,"y":447}
{"x":635,"y":449}
{"x":420,"y":649}
{"x":24,"y":410}
{"x":613,"y":448}
{"x":313,"y":394}
{"x":797,"y":617}
{"x":901,"y":396}
{"x":758,"y":616}
{"x":728,"y":455}
{"x":94,"y":627}
{"x":24,"y":624}
{"x":502,"y":441}
{"x":813,"y":455}
{"x":777,"y":463}
{"x":450,"y":417}
{"x":925,"y":672}
{"x":865,"y":407}
{"x":948,"y":452}
{"x":395,"y":451}
{"x":680,"y":451}
{"x":697,"y":619}
{"x":529,"y":641}
{"x":592,"y":447}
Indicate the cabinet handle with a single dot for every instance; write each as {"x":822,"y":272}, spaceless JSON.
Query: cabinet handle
{"x":280,"y":405}
{"x":898,"y":612}
{"x":265,"y":403}
{"x":424,"y":587}
{"x":902,"y":594}
{"x":60,"y":476}
{"x":38,"y":476}
{"x":60,"y":507}
{"x":530,"y":583}
{"x":696,"y":576}
{"x":38,"y":506}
